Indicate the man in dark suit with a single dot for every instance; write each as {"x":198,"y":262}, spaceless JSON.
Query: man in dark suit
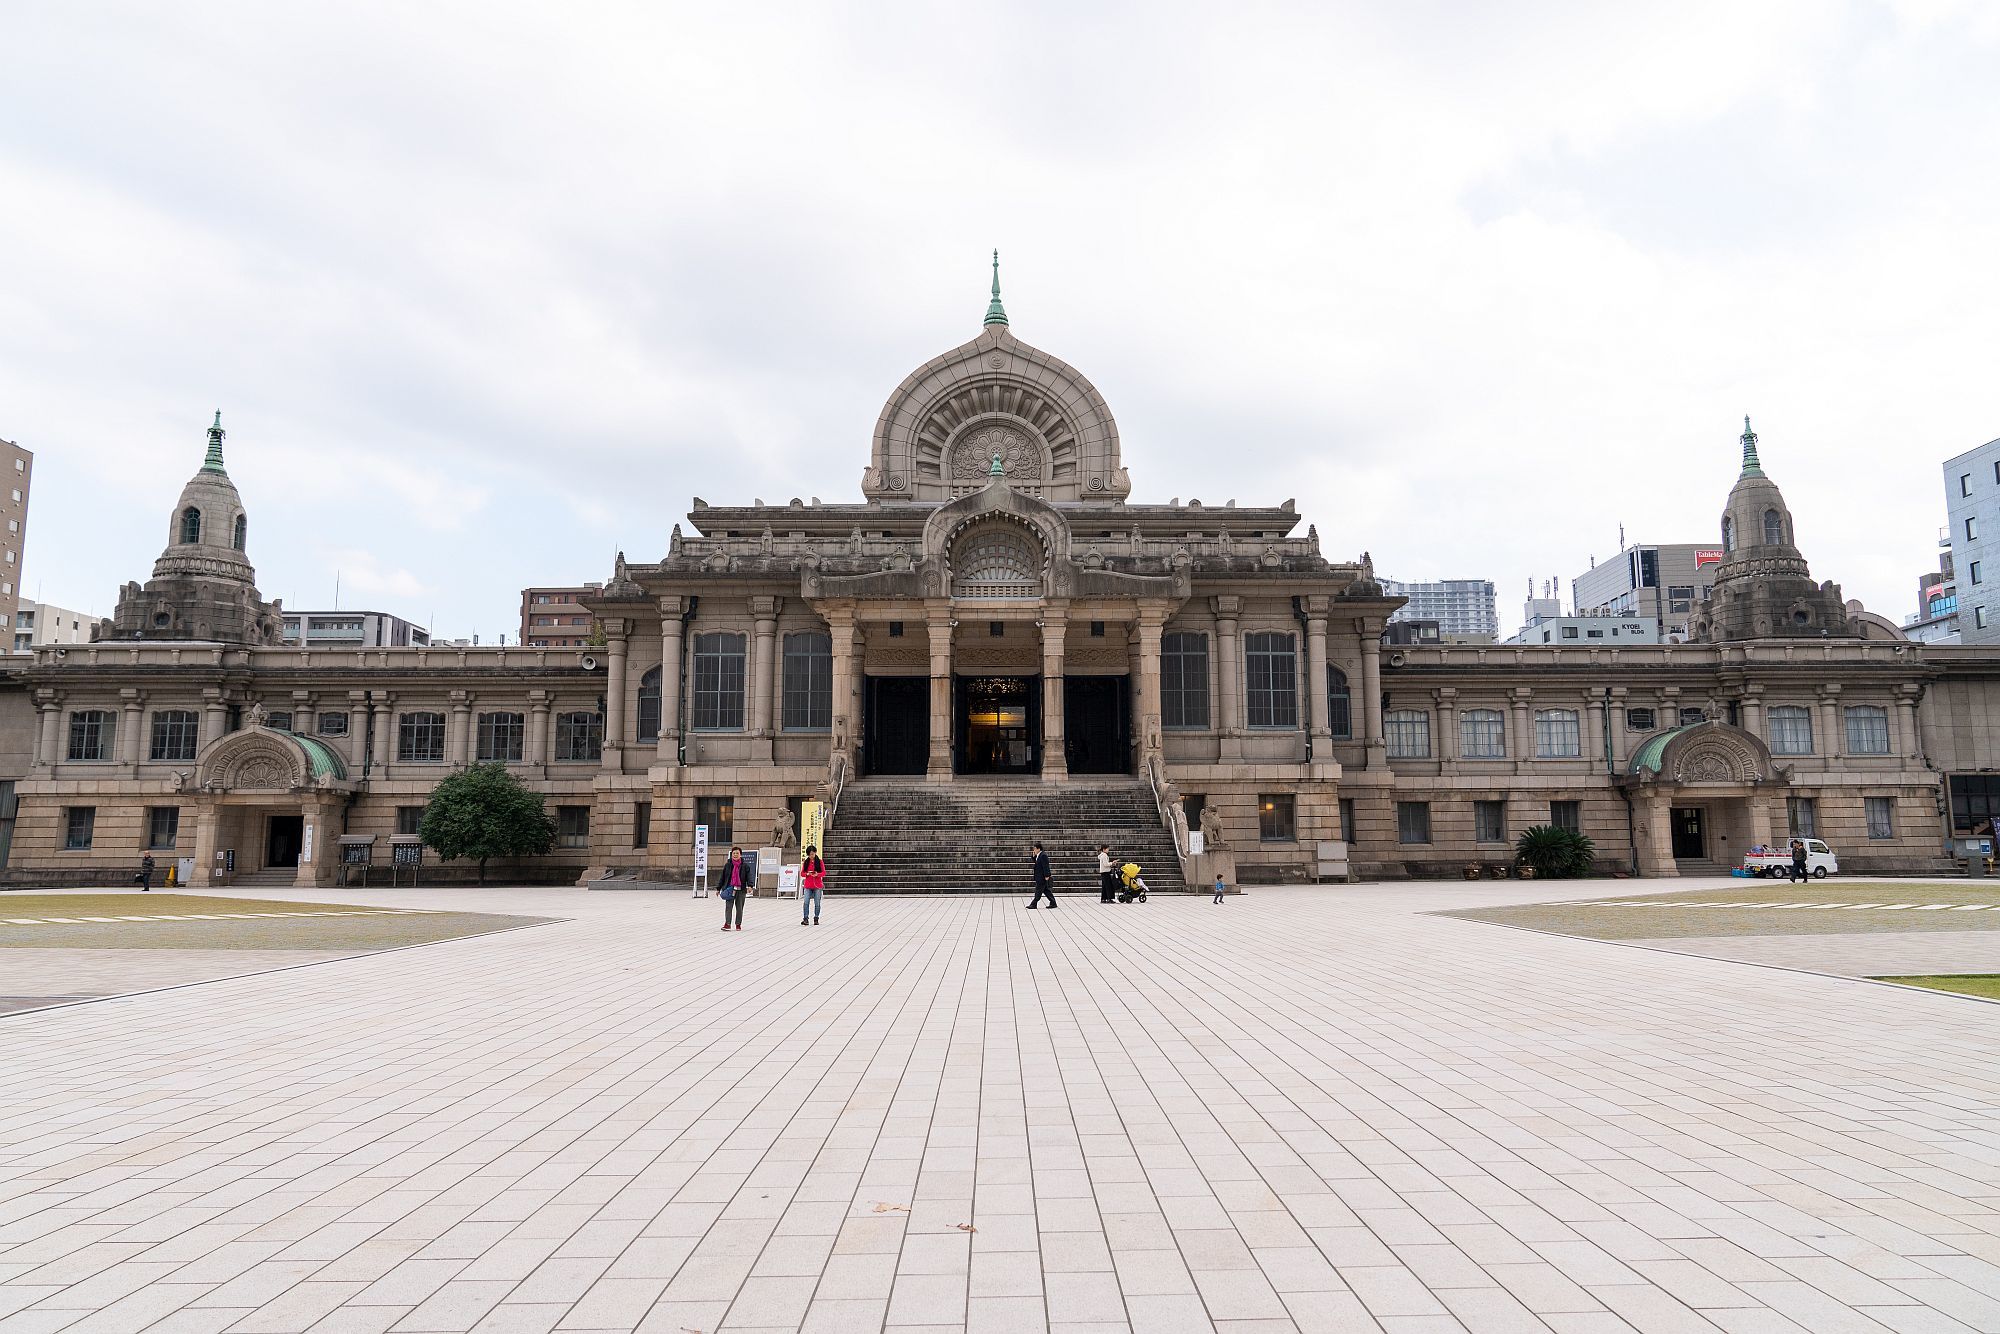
{"x":1045,"y":880}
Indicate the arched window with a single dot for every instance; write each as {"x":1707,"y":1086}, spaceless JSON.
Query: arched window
{"x":1728,"y":533}
{"x":1482,"y":734}
{"x":1408,"y":733}
{"x":242,"y":530}
{"x":1790,"y":729}
{"x":190,"y":524}
{"x":649,"y":706}
{"x":1339,"y":702}
{"x":1774,"y":528}
{"x":1558,"y":734}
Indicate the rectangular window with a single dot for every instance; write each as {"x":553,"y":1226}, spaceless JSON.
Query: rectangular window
{"x":1339,"y":705}
{"x":1408,"y":734}
{"x":502,"y":737}
{"x":718,"y":683}
{"x":1972,"y":527}
{"x":333,"y":724}
{"x":1558,"y":734}
{"x":279,"y":722}
{"x":1975,"y":801}
{"x":90,"y":733}
{"x":1791,"y":731}
{"x":1569,"y":632}
{"x":420,"y":738}
{"x":79,"y":827}
{"x":1965,"y":484}
{"x":1482,"y":734}
{"x":163,"y":826}
{"x":1803,"y":815}
{"x":1413,"y":822}
{"x":1567,"y":815}
{"x":1276,"y":818}
{"x":808,"y":682}
{"x":1489,"y":821}
{"x":176,"y":734}
{"x":579,"y":736}
{"x":1690,"y":716}
{"x":1881,"y":816}
{"x":1681,"y":592}
{"x":1184,"y":680}
{"x":1347,"y":821}
{"x":642,"y":824}
{"x":1867,"y":730}
{"x":572,"y":826}
{"x":1272,"y":664}
{"x":1639,"y":720}
{"x":1979,"y":617}
{"x":895,"y":629}
{"x":409,"y":819}
{"x":719,"y":814}
{"x":1977,"y":577}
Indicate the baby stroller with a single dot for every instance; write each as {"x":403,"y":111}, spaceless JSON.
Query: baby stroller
{"x":1135,"y":887}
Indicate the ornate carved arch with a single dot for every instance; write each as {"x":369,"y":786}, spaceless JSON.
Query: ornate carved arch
{"x":253,"y":760}
{"x":1716,"y":753}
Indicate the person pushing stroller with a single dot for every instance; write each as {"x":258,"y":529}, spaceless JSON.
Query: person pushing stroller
{"x":1133,"y":885}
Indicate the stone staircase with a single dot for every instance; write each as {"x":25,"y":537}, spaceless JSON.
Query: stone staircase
{"x":274,"y":877}
{"x":971,"y":836}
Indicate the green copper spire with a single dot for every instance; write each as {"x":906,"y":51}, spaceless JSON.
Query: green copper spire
{"x":1751,"y":467}
{"x":995,"y":312}
{"x":213,"y":463}
{"x":999,"y":468}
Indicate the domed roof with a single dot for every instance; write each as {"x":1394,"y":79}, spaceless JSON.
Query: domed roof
{"x":208,"y":529}
{"x":995,"y":397}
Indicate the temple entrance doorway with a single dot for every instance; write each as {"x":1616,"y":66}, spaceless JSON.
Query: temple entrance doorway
{"x":284,"y":836}
{"x":1690,"y":833}
{"x":1096,"y":728}
{"x":896,"y":729}
{"x":999,"y":724}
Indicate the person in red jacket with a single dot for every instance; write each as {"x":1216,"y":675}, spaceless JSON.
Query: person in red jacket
{"x":736,"y":887}
{"x":812,"y":887}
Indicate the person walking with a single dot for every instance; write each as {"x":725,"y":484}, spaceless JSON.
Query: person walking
{"x":1045,"y":880}
{"x":1107,"y":879}
{"x":812,"y":887}
{"x":735,"y":888}
{"x":1218,"y":888}
{"x":145,"y":876}
{"x":1798,"y":859}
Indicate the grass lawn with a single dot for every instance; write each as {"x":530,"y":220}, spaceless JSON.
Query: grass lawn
{"x":131,"y":920}
{"x":157,"y":903}
{"x":1966,"y":984}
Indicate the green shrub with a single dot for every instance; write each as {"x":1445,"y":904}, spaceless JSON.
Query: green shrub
{"x":1555,"y":853}
{"x":482,"y":812}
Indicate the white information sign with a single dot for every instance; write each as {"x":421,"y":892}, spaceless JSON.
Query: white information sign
{"x":788,"y":882}
{"x":1196,"y":843}
{"x":306,"y":845}
{"x":701,"y":861}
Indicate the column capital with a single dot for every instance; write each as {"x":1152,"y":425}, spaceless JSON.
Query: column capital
{"x":357,"y":698}
{"x":1317,"y":605}
{"x":671,"y":605}
{"x":132,"y":696}
{"x":47,"y":697}
{"x":1829,"y":692}
{"x":1444,"y":695}
{"x":766,"y":608}
{"x":615,"y":630}
{"x":1753,"y":688}
{"x":462,"y":699}
{"x":1226,"y":604}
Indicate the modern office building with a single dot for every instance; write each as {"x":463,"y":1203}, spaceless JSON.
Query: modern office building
{"x":352,"y":629}
{"x":1935,"y":620}
{"x":1462,"y":608}
{"x":1972,"y":502}
{"x":1664,"y":584}
{"x":1588,"y":630}
{"x":38,"y":623}
{"x":19,"y":464}
{"x":556,"y":617}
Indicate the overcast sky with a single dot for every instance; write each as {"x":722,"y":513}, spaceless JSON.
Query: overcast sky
{"x":486,"y":292}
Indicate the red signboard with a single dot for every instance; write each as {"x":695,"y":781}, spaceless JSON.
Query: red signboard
{"x":1707,"y":556}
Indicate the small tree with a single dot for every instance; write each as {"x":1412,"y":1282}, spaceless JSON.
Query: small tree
{"x":484,"y":812}
{"x":1555,"y":853}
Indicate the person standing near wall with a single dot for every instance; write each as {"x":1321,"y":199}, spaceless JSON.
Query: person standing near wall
{"x":145,"y":876}
{"x":735,"y":889}
{"x":812,"y":887}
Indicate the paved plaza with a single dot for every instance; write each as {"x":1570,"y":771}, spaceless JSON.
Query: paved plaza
{"x":1314,"y":1109}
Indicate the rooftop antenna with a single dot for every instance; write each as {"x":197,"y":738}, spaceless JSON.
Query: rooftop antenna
{"x":1621,"y":537}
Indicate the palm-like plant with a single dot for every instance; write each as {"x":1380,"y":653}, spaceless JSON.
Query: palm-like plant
{"x":1555,"y":853}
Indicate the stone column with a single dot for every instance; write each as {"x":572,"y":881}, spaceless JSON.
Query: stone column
{"x":458,"y":742}
{"x":357,"y":732}
{"x":1521,"y":729}
{"x":1229,"y":683}
{"x":1371,"y":690}
{"x":1055,"y":756}
{"x":1832,"y":743}
{"x":535,"y":746}
{"x":1592,"y":731}
{"x":670,"y":680}
{"x":1322,"y":734}
{"x":1907,"y":735}
{"x":939,"y":628}
{"x":1753,"y":712}
{"x":131,"y":727}
{"x":616,"y":628}
{"x":1615,"y":720}
{"x":207,"y":826}
{"x":385,"y":730}
{"x":1146,"y":686}
{"x":844,"y":717}
{"x":1760,"y":819}
{"x":48,"y":739}
{"x":762,"y":671}
{"x":1657,"y":857}
{"x":214,"y":717}
{"x":1447,"y":725}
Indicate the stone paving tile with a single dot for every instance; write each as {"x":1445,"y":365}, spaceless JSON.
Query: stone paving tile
{"x":1325,"y":1109}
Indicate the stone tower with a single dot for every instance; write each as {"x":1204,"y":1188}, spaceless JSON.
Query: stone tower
{"x":203,"y":585}
{"x":1763,"y":588}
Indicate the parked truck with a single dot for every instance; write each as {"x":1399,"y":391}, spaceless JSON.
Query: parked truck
{"x":1775,"y":863}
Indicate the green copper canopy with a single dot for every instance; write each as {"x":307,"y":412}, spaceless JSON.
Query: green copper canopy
{"x":995,"y":312}
{"x":213,"y":463}
{"x":1751,"y":467}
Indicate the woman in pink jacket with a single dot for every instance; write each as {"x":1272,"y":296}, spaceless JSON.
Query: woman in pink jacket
{"x":812,"y":887}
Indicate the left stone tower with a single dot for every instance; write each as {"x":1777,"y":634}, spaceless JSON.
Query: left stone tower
{"x":203,"y":585}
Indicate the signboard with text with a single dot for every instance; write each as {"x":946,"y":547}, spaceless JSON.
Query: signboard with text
{"x":701,"y":861}
{"x":812,"y":827}
{"x":1707,"y":556}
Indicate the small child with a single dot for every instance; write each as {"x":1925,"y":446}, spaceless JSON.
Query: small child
{"x":1218,"y":889}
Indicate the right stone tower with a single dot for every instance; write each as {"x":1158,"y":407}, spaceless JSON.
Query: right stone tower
{"x":1763,"y":588}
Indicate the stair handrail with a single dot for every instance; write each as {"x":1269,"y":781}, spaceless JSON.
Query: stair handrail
{"x":1171,"y":815}
{"x":836,"y":783}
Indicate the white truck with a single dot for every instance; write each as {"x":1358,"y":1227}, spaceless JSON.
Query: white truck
{"x":1775,"y":863}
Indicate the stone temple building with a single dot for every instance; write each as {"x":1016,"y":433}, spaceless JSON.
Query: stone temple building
{"x":996,"y":642}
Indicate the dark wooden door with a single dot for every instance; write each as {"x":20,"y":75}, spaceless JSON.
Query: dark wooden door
{"x":896,"y":734}
{"x":1690,"y":835}
{"x":1097,"y":739}
{"x":287,"y":832}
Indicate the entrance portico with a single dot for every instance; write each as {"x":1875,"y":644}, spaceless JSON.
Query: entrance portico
{"x":1702,"y":795}
{"x":267,"y":799}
